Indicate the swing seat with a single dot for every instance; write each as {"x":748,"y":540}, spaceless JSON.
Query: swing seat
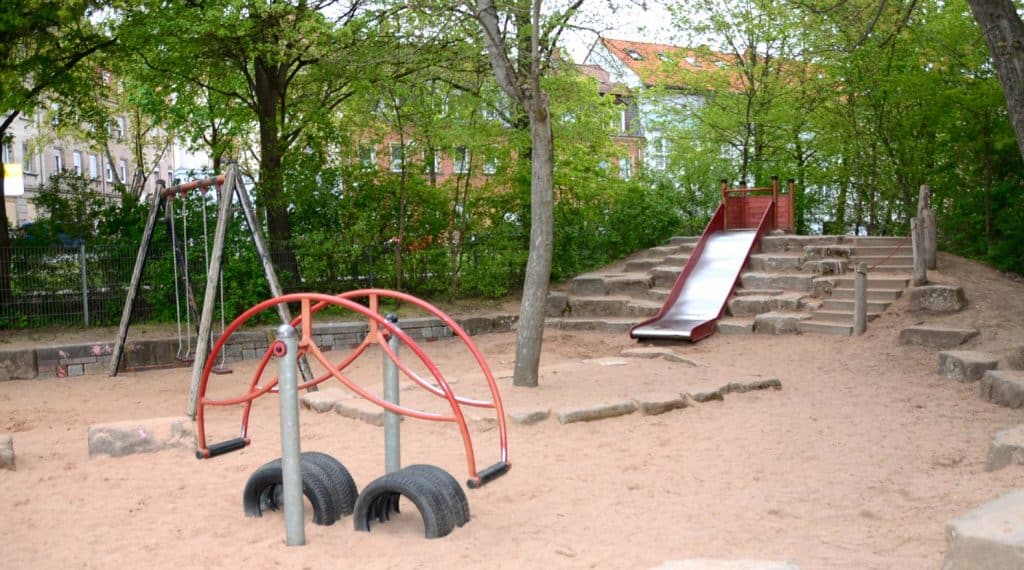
{"x":221,"y":369}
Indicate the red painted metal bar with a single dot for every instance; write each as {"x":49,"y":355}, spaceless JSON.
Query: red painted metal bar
{"x":193,"y":185}
{"x":441,"y":388}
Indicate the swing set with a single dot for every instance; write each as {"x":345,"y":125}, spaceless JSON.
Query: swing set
{"x":228,"y":187}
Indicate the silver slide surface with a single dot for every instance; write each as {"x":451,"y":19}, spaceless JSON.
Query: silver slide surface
{"x":706,"y":288}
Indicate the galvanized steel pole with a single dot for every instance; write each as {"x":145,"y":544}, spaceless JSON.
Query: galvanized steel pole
{"x":392,"y":421}
{"x":291,"y":455}
{"x":860,"y":299}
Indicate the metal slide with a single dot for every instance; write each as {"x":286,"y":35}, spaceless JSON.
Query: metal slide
{"x":704,"y":285}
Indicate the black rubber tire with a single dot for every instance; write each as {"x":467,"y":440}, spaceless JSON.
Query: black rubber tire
{"x":448,"y":486}
{"x":263,"y":492}
{"x":380,"y":498}
{"x":343,"y":485}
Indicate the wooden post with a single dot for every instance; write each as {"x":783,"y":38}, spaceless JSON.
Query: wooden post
{"x":249,"y":213}
{"x":931,"y":236}
{"x":917,"y":237}
{"x":213,"y":276}
{"x":775,"y":202}
{"x":133,"y":287}
{"x":924,"y":199}
{"x":860,"y":299}
{"x":725,"y":203}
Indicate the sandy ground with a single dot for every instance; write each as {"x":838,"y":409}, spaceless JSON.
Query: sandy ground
{"x":858,"y":462}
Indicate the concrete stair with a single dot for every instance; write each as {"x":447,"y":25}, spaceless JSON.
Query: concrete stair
{"x":794,"y":284}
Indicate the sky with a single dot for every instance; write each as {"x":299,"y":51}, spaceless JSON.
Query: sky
{"x":621,"y":20}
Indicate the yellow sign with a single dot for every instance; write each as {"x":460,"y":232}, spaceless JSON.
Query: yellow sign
{"x":14,"y":183}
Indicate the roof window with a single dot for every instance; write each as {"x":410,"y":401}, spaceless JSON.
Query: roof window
{"x":662,"y":56}
{"x":691,"y":60}
{"x":632,"y":53}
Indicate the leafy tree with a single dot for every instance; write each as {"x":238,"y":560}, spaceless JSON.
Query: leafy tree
{"x":43,"y":47}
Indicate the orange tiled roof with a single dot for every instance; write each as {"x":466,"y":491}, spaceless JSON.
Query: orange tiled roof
{"x":670,"y":66}
{"x":605,"y":84}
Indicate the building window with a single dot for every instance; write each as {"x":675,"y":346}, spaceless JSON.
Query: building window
{"x":27,"y":164}
{"x":659,"y":154}
{"x":625,"y":168}
{"x":110,"y":171}
{"x":662,"y":57}
{"x":622,"y":121}
{"x":76,"y":161}
{"x":122,"y":169}
{"x":691,"y":60}
{"x":490,"y":166}
{"x":396,"y":157}
{"x":58,"y":161}
{"x":633,"y":54}
{"x":92,"y":167}
{"x":432,"y":160}
{"x":367,"y":155}
{"x":6,"y":152}
{"x":461,"y":161}
{"x":119,"y":128}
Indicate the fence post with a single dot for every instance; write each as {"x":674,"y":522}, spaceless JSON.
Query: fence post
{"x":860,"y":299}
{"x":85,"y":283}
{"x":917,"y":238}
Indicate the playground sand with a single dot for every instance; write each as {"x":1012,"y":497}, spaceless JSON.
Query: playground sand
{"x":857,"y":462}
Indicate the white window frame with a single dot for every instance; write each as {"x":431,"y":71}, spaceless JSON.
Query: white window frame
{"x":122,"y":169}
{"x":110,"y":170}
{"x":27,"y":164}
{"x":76,"y":162}
{"x":367,"y":155}
{"x":58,"y":161}
{"x":461,"y":160}
{"x":491,"y":166}
{"x":395,"y":164}
{"x":6,"y":151}
{"x":93,"y":170}
{"x":625,"y":168}
{"x":120,"y":128}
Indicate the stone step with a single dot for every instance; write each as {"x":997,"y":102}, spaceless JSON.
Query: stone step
{"x":883,"y":261}
{"x":876,"y":281}
{"x":681,"y":241}
{"x":743,"y":292}
{"x":612,"y":306}
{"x":795,"y":244}
{"x":661,"y":251}
{"x":881,"y":250}
{"x":842,"y":317}
{"x":826,"y":251}
{"x":889,"y":295}
{"x":848,"y":305}
{"x":825,"y":327}
{"x":664,"y":275}
{"x":658,"y":294}
{"x":677,"y":260}
{"x":1003,"y":387}
{"x":936,"y":336}
{"x":610,"y":324}
{"x":788,"y":281}
{"x":826,"y":266}
{"x":643,"y":264}
{"x":779,"y":322}
{"x":988,"y":537}
{"x":594,"y":284}
{"x":752,"y":305}
{"x":775,"y":261}
{"x":735,"y":325}
{"x":876,"y":241}
{"x":966,"y":365}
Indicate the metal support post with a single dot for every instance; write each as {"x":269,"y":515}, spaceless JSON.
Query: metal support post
{"x":860,"y":299}
{"x":291,"y":456}
{"x":392,"y":421}
{"x":85,"y":284}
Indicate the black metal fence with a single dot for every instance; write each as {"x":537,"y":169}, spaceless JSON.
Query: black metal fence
{"x":86,"y":284}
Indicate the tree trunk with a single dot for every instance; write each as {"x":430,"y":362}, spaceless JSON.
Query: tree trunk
{"x":1004,"y":35}
{"x":530,"y":333}
{"x":271,"y":184}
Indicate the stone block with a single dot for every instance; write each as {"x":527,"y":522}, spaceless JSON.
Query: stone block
{"x":714,"y":564}
{"x":529,"y":417}
{"x":1007,"y":449}
{"x":702,"y":394}
{"x":825,"y":266}
{"x":989,"y":537}
{"x":363,"y":410}
{"x":141,"y":436}
{"x":965,"y":365}
{"x":588,"y":285}
{"x":1003,"y":387}
{"x":657,"y":352}
{"x":324,"y":400}
{"x":822,"y":286}
{"x":149,"y":353}
{"x":1013,"y":359}
{"x":778,"y":323}
{"x":936,"y":336}
{"x":743,"y":386}
{"x":735,"y":326}
{"x":658,"y":403}
{"x":18,"y":364}
{"x":599,"y":412}
{"x":937,"y":299}
{"x":7,"y":452}
{"x":812,"y":252}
